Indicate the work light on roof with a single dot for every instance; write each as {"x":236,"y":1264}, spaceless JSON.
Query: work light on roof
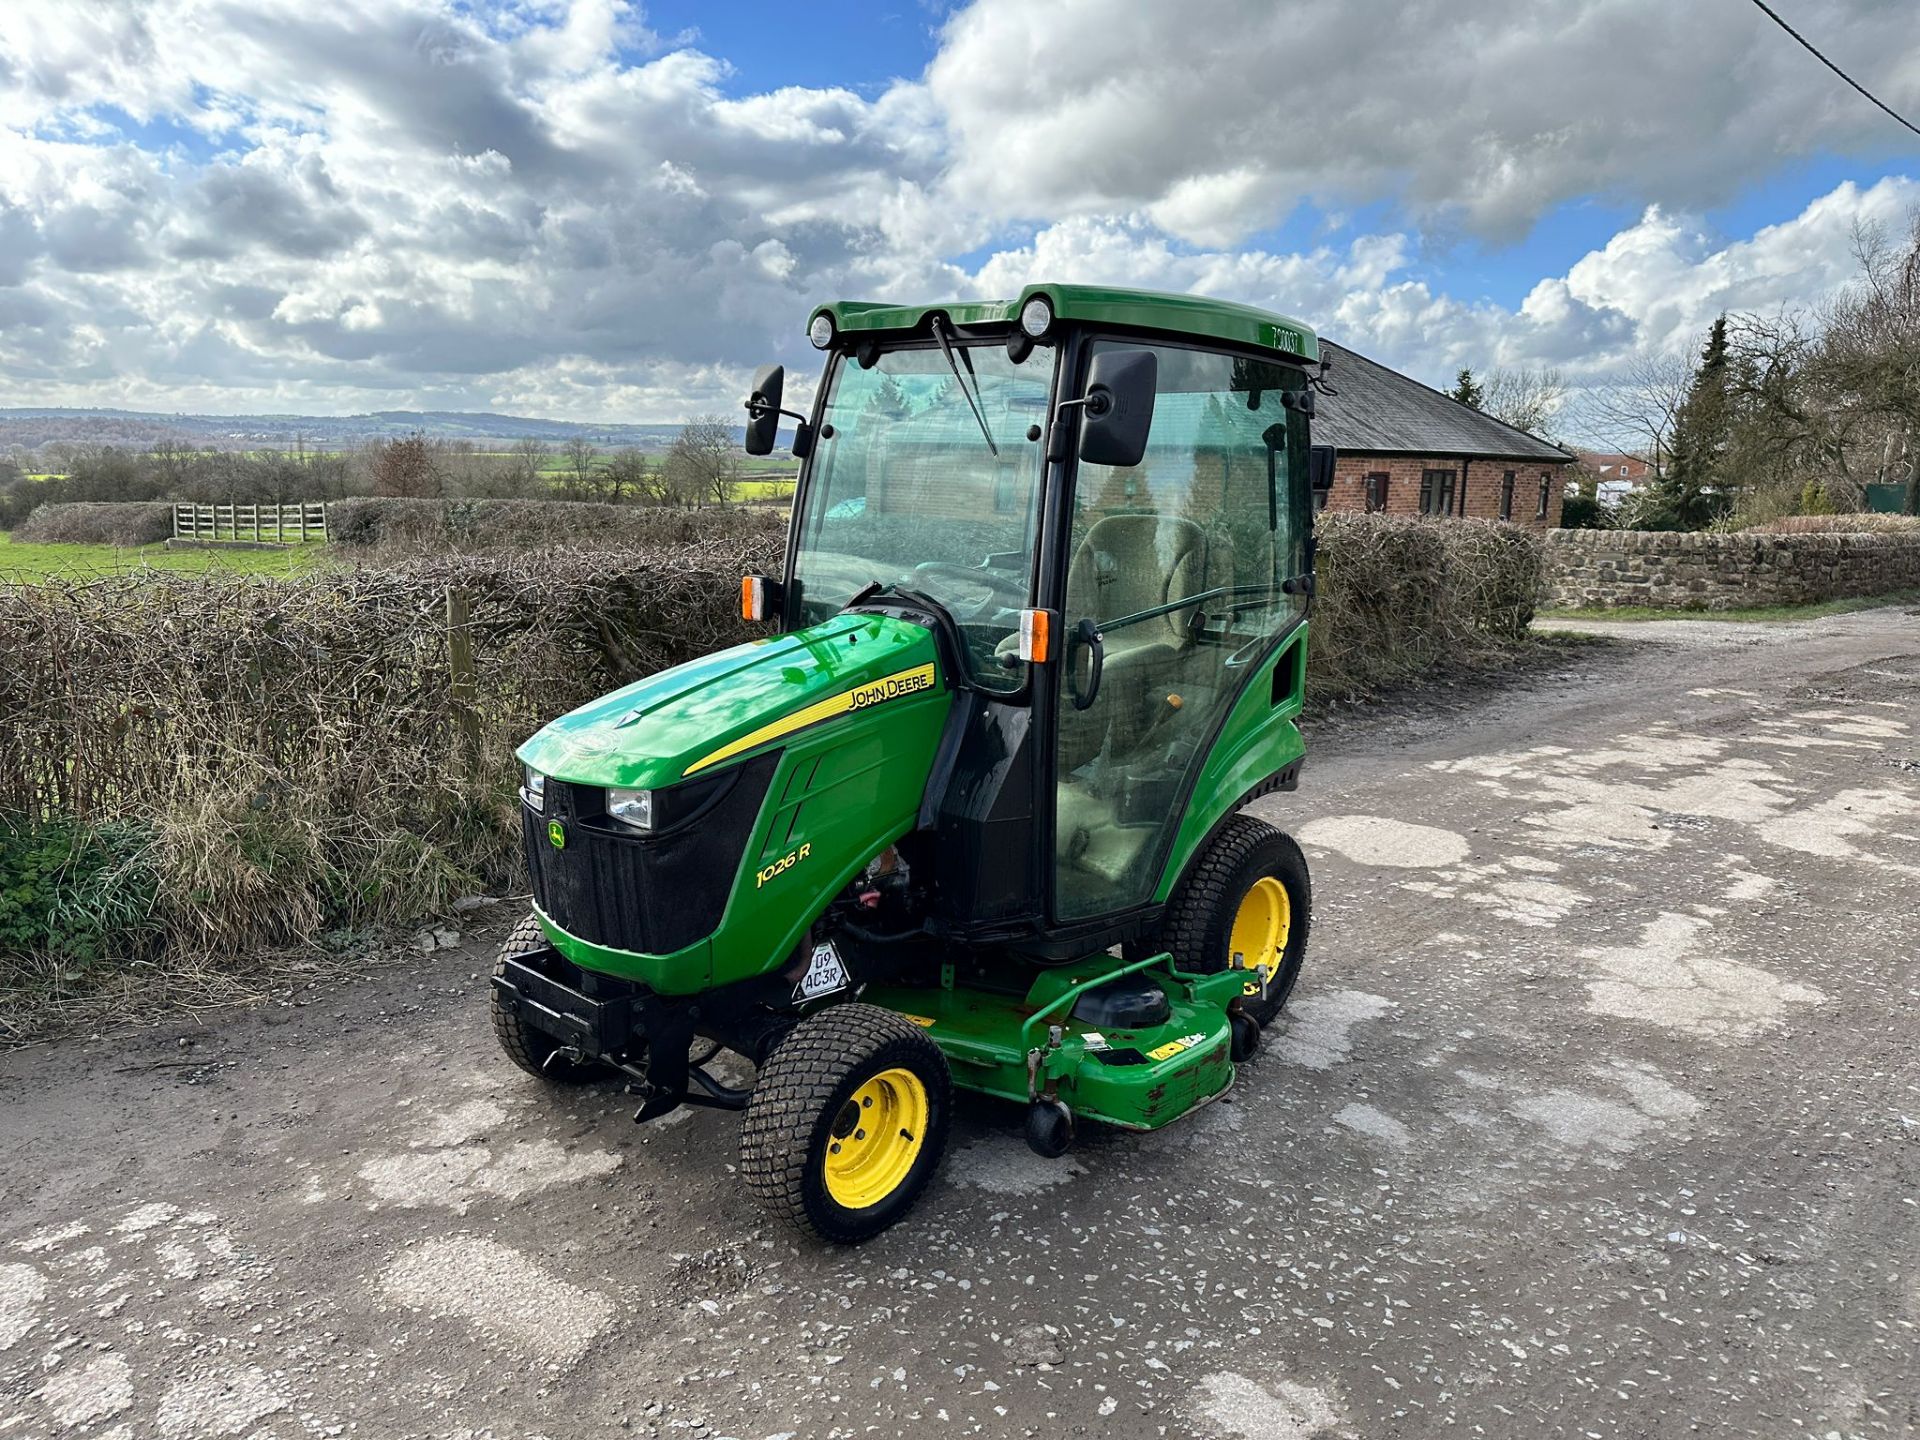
{"x":821,"y":331}
{"x":1035,"y":316}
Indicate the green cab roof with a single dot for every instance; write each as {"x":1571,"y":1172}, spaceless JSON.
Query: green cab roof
{"x":1097,"y":304}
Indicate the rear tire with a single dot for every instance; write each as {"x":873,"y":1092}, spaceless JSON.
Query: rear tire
{"x":1253,"y":878}
{"x":530,"y":1048}
{"x":810,"y":1149}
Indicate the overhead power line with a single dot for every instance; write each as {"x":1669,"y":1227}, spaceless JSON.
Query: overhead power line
{"x":1772,"y":15}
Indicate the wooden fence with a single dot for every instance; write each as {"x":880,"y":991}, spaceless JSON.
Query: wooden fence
{"x":261,"y":524}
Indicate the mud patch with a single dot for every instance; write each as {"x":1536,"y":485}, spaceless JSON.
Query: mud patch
{"x":502,"y":1294}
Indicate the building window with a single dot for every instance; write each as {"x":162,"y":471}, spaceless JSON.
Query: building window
{"x":1546,"y":493}
{"x":1377,"y":484}
{"x":1436,"y":492}
{"x":1506,"y":496}
{"x":1320,"y":495}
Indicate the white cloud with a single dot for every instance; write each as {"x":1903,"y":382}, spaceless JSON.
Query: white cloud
{"x":544,"y":205}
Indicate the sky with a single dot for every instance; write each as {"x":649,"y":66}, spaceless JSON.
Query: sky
{"x":606,"y":211}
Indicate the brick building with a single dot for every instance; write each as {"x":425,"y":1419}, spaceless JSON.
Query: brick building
{"x":1407,"y":449}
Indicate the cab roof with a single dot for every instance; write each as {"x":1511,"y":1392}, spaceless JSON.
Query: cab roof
{"x":1136,"y":309}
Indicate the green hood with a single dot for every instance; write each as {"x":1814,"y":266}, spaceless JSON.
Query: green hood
{"x":710,"y":712}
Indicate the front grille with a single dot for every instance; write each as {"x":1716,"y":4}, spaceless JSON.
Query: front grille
{"x":654,"y":894}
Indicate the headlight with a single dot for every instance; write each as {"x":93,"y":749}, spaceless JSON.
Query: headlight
{"x":632,"y":808}
{"x":536,"y":784}
{"x":1035,"y":316}
{"x":821,"y":331}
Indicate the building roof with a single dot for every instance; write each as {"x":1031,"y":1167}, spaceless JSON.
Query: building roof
{"x":1377,"y":411}
{"x":1140,"y":309}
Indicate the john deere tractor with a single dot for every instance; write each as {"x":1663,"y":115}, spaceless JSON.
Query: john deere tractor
{"x":971,"y":816}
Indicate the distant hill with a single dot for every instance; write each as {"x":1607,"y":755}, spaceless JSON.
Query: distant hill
{"x":34,"y":427}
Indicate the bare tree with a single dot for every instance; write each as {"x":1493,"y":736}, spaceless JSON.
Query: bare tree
{"x":406,"y":467}
{"x":530,"y":455}
{"x":703,"y":464}
{"x":1528,"y":400}
{"x":583,"y":469}
{"x":628,"y":476}
{"x":1638,"y":410}
{"x":1871,"y":356}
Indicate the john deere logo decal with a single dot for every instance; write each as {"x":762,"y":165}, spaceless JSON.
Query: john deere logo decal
{"x":556,"y":835}
{"x":860,"y":697}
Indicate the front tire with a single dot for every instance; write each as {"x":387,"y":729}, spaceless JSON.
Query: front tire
{"x":1247,"y":901}
{"x":533,"y":1050}
{"x":846,"y":1123}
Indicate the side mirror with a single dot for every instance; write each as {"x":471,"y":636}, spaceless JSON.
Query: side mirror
{"x":1119,"y":407}
{"x":763,"y":409}
{"x":1320,"y":460}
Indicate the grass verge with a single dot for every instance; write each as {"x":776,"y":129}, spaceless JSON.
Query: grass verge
{"x":1546,"y":619}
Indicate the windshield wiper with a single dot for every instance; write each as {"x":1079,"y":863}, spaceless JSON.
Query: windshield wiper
{"x":940,"y":337}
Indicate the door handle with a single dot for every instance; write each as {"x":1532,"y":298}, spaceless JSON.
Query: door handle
{"x":1087,"y":633}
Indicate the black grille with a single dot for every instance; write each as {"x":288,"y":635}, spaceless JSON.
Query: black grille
{"x":653,"y":894}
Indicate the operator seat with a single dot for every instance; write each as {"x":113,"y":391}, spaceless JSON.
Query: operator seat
{"x":1126,"y":564}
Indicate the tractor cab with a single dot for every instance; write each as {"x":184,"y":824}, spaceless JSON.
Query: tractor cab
{"x":1102,"y":501}
{"x":970,"y":816}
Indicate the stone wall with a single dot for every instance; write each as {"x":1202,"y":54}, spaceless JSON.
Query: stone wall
{"x":1603,"y":569}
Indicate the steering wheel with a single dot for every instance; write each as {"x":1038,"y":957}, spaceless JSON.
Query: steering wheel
{"x":980,"y":586}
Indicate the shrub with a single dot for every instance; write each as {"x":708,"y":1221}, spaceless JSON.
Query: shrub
{"x":1398,"y":595}
{"x":126,"y":523}
{"x":73,"y":895}
{"x":407,"y":526}
{"x":1836,"y":525}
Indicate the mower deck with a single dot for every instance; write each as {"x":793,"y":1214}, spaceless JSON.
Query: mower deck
{"x":1033,"y":1047}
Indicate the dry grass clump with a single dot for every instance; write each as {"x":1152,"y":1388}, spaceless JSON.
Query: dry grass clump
{"x":1398,"y":596}
{"x":412,"y":527}
{"x":1836,"y":525}
{"x":125,"y":523}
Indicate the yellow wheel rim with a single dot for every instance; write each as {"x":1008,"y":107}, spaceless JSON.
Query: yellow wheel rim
{"x":1261,"y":926}
{"x":875,"y":1139}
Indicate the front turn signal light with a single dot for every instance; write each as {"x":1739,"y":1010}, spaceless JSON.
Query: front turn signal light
{"x":753,"y":597}
{"x":1036,"y":636}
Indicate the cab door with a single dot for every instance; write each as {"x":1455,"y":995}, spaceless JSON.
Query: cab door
{"x":1174,"y":594}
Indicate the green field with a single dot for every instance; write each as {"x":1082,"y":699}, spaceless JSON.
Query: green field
{"x":29,"y":563}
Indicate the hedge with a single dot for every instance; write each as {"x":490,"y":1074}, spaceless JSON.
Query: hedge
{"x":267,"y":759}
{"x":126,"y":523}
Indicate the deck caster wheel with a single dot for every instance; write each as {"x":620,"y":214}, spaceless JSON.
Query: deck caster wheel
{"x":1246,"y":1037}
{"x":846,"y":1122}
{"x":1049,"y":1129}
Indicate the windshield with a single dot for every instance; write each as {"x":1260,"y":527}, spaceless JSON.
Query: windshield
{"x":905,"y":489}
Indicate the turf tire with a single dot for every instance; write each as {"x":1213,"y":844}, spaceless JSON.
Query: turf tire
{"x":526,"y":1046}
{"x":800,"y":1090}
{"x":1199,"y":917}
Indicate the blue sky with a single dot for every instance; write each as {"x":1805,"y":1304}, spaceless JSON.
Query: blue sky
{"x":608,"y":210}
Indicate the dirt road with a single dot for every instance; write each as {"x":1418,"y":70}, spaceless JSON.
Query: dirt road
{"x":1597,"y":1113}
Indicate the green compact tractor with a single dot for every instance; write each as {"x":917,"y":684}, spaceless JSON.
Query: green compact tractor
{"x":971,"y":816}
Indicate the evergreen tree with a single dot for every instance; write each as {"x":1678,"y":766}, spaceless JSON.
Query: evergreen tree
{"x":1467,"y":390}
{"x":1695,"y":489}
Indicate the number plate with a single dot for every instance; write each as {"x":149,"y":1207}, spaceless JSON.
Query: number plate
{"x":825,"y":974}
